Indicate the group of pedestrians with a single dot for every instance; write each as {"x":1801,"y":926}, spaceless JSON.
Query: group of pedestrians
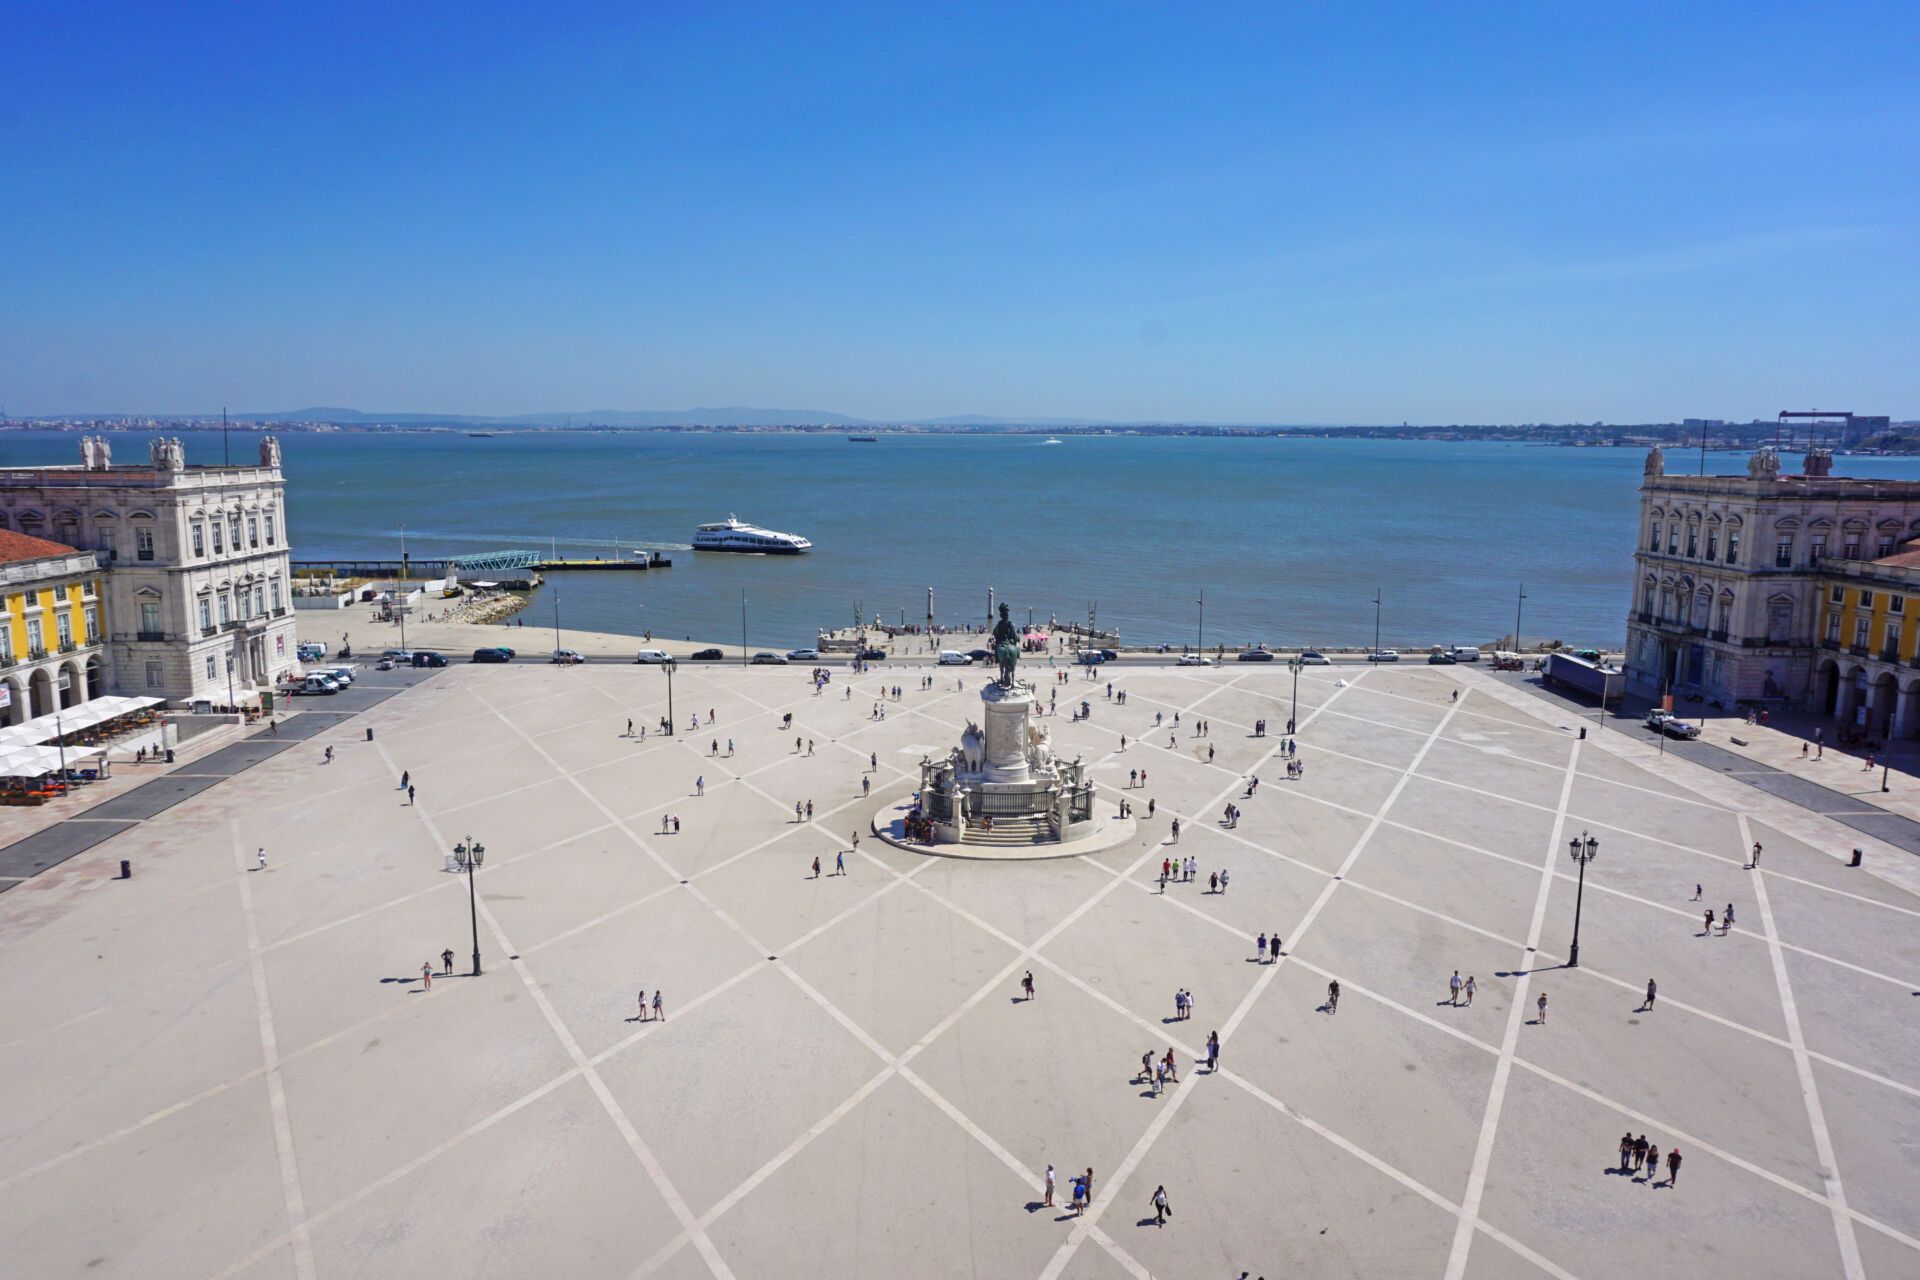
{"x":1456,"y":988}
{"x":1640,"y":1160}
{"x":839,"y":863}
{"x":1265,"y":951}
{"x":1726,"y":922}
{"x":659,"y":1007}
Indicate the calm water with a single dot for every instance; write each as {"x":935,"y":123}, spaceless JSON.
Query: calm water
{"x":1286,"y":538}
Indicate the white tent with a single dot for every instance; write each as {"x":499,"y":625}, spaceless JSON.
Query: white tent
{"x":36,"y":762}
{"x":44,"y":729}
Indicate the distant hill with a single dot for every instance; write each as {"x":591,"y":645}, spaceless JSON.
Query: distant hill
{"x":722,"y":416}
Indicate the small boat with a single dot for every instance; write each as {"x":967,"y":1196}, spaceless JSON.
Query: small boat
{"x":1050,"y":440}
{"x":863,"y":439}
{"x":733,"y":534}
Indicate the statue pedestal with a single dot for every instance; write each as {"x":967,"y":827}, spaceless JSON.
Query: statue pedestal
{"x":1007,"y":711}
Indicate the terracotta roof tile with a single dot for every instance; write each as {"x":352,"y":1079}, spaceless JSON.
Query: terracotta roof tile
{"x":15,"y":547}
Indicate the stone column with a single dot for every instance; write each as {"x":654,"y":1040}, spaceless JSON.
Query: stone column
{"x":1004,"y":758}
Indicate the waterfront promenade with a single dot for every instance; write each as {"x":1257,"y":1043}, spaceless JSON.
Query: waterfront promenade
{"x":222,"y":1069}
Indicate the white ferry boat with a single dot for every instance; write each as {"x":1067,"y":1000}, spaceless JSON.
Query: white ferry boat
{"x":732,"y":534}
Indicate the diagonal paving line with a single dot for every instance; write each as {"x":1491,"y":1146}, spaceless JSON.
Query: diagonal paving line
{"x":1160,"y":1122}
{"x":1816,"y":1114}
{"x":296,"y":1203}
{"x":1516,"y":1014}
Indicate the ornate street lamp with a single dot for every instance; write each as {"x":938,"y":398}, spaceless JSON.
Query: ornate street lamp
{"x":471,"y":854}
{"x":1584,"y":849}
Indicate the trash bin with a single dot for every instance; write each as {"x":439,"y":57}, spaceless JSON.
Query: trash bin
{"x":1857,"y":855}
{"x":169,"y":755}
{"x":369,"y":733}
{"x":126,"y":869}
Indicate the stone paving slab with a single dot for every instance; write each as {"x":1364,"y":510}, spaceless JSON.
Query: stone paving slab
{"x":223,"y":1071}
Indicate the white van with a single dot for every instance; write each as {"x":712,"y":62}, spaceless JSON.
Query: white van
{"x":319,"y":684}
{"x":953,"y":658}
{"x":1464,"y":653}
{"x":342,"y":676}
{"x":655,"y":657}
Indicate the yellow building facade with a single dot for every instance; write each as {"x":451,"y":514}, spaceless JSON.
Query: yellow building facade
{"x":52,"y":632}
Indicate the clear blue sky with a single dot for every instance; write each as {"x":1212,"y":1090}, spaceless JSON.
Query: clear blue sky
{"x":1282,"y":213}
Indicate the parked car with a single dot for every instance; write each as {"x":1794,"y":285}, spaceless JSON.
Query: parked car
{"x":342,"y":676}
{"x":310,"y":651}
{"x":428,"y":658}
{"x":1195,"y":660}
{"x":567,"y":657}
{"x":1090,"y":658}
{"x":401,"y":656}
{"x":319,"y":684}
{"x":385,"y":664}
{"x":769,"y":660}
{"x":954,"y":658}
{"x":1313,"y":658}
{"x":1109,"y":655}
{"x":708,"y":655}
{"x":1464,"y":653}
{"x":654,"y":657}
{"x":1254,"y":655}
{"x":1438,"y":659}
{"x":491,"y":655}
{"x":1383,"y":655}
{"x":803,"y":655}
{"x":980,"y":655}
{"x":873,"y":655}
{"x":1673,"y":726}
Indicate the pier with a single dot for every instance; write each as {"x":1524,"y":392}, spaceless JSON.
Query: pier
{"x":517,"y":565}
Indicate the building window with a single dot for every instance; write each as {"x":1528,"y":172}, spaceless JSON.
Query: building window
{"x":1653,"y":543}
{"x":1673,"y":539}
{"x":1819,"y":550}
{"x":36,"y":642}
{"x":142,"y":544}
{"x":206,"y":613}
{"x":1726,"y":615}
{"x":63,"y":627}
{"x":1838,"y":595}
{"x":1646,"y":598}
{"x":1693,"y":541}
{"x":1886,"y":547}
{"x":1852,"y":550}
{"x":1733,"y":545}
{"x":276,"y":593}
{"x":154,"y":679}
{"x":1713,"y":543}
{"x":1890,"y":637}
{"x":210,"y":668}
{"x":6,"y":645}
{"x":226,"y":609}
{"x":1896,"y":604}
{"x":219,"y":543}
{"x":1783,"y":553}
{"x":253,"y":531}
{"x":1866,"y":599}
{"x":150,"y":617}
{"x":1833,"y":628}
{"x":1860,"y":632}
{"x":199,"y":540}
{"x":110,"y":544}
{"x":93,"y":622}
{"x":233,"y":527}
{"x":259,"y":599}
{"x":269,"y":529}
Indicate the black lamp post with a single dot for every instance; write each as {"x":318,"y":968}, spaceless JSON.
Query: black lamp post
{"x":1294,"y":718}
{"x":669,"y":666}
{"x":1584,"y":848}
{"x":472,"y":853}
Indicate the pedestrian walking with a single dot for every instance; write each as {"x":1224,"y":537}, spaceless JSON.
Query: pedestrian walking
{"x":1047,"y":1201}
{"x":676,"y":824}
{"x":1176,"y":822}
{"x":1453,"y":989}
{"x":1652,"y":1165}
{"x":643,"y":1006}
{"x":659,"y":1013}
{"x":1726,"y":921}
{"x":329,"y":758}
{"x":1333,"y":996}
{"x":405,"y":778}
{"x":1160,"y":1209}
{"x":1260,"y":949}
{"x":1213,"y":1051}
{"x":1213,"y":882}
{"x":446,"y":962}
{"x":1469,"y":989}
{"x":1756,"y":856}
{"x":809,"y":811}
{"x":261,"y":854}
{"x":816,"y":866}
{"x":866,"y":786}
{"x":1541,"y":1005}
{"x":1673,"y":1168}
{"x":1223,"y":879}
{"x":410,"y":797}
{"x":629,"y":727}
{"x":1709,"y":932}
{"x":426,"y":976}
{"x":1026,"y":984}
{"x":1696,"y":893}
{"x":700,"y":785}
{"x":1640,"y":1145}
{"x":1179,"y":1004}
{"x":839,"y":863}
{"x":1273,"y":947}
{"x":1626,"y":1151}
{"x":1653,"y":989}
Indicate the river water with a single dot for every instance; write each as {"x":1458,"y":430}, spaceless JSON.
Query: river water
{"x":1286,"y":539}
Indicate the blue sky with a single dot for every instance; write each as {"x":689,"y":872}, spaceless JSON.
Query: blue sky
{"x":1277,"y":213}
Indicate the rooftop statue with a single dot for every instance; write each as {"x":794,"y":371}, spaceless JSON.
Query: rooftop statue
{"x":1006,"y":647}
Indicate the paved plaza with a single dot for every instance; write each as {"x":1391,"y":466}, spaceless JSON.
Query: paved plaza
{"x":219,"y":1069}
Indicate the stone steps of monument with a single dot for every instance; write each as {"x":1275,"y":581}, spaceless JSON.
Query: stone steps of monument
{"x":1009,"y":832}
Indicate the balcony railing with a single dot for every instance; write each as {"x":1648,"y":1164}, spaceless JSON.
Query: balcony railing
{"x":280,"y":611}
{"x":68,"y":646}
{"x":1644,"y":617}
{"x":1890,"y":654}
{"x":1831,"y":642}
{"x":149,"y":635}
{"x":1857,"y":650}
{"x":209,"y":630}
{"x":35,"y":654}
{"x":1720,"y":635}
